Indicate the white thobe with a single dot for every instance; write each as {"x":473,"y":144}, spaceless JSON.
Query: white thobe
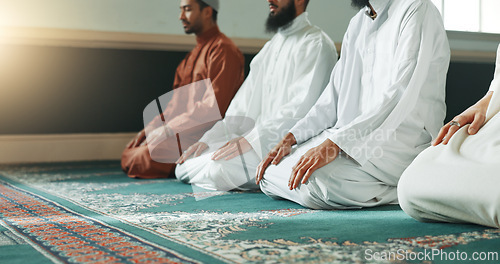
{"x":286,"y":78}
{"x":459,"y":182}
{"x":383,"y":105}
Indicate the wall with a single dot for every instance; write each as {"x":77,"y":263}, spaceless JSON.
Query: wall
{"x":85,"y":101}
{"x":238,"y":18}
{"x":62,"y":90}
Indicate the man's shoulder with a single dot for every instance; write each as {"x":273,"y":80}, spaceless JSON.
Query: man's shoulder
{"x":222,"y":42}
{"x":413,"y":2}
{"x":313,"y":35}
{"x":410,"y":4}
{"x":308,"y":36}
{"x":421,"y":9}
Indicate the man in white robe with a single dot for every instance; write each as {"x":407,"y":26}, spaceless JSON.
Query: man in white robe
{"x":383,"y":105}
{"x":457,"y":180}
{"x":286,"y":78}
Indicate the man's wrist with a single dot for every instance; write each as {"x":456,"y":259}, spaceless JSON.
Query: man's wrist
{"x":290,"y":139}
{"x":335,"y":146}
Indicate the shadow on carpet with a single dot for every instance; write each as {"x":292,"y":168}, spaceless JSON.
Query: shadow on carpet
{"x":92,"y":213}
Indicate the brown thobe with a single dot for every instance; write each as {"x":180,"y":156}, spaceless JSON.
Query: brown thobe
{"x":216,"y":57}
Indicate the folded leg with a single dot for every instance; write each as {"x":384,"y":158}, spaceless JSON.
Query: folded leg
{"x":463,"y":191}
{"x":222,"y":175}
{"x":137,"y":163}
{"x":340,"y":184}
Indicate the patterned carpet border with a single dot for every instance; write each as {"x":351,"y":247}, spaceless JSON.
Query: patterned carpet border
{"x":66,"y":236}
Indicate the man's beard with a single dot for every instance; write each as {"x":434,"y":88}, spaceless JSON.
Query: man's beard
{"x":360,"y":3}
{"x":193,"y":27}
{"x":283,"y":19}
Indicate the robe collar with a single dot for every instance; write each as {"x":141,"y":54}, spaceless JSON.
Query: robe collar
{"x":208,"y":35}
{"x":297,"y":24}
{"x":378,"y":5}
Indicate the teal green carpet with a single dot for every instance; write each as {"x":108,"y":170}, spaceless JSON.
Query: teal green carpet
{"x":92,"y":213}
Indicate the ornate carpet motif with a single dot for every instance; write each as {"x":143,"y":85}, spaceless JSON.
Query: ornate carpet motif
{"x":447,"y":241}
{"x":230,"y":227}
{"x":65,"y":236}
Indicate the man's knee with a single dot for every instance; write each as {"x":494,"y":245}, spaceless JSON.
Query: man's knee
{"x":129,"y":158}
{"x":409,"y":195}
{"x":310,"y":199}
{"x":181,"y":173}
{"x":324,"y":191}
{"x":269,"y":189}
{"x":224,"y":176}
{"x":212,"y":176}
{"x":137,"y":163}
{"x":496,"y":213}
{"x":318,"y":195}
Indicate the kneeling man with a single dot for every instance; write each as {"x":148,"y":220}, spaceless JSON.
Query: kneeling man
{"x":215,"y":58}
{"x":285,"y":80}
{"x":383,"y":105}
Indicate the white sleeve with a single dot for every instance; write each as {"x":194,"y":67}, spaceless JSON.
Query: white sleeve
{"x":315,"y":62}
{"x":423,"y":54}
{"x":323,"y":114}
{"x":246,"y":102}
{"x":238,"y":107}
{"x":496,"y":80}
{"x":494,"y":106}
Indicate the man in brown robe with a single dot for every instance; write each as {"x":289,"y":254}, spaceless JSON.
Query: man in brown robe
{"x":215,"y":57}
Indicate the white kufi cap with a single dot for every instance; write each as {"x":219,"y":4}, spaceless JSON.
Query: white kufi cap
{"x":212,"y":3}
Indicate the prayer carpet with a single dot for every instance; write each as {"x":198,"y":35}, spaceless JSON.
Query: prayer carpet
{"x":92,"y":213}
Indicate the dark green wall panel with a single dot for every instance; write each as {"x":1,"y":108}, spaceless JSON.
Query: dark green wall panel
{"x":52,"y":90}
{"x":466,"y":84}
{"x":71,"y":90}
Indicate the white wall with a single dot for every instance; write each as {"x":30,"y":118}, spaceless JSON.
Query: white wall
{"x":238,"y":18}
